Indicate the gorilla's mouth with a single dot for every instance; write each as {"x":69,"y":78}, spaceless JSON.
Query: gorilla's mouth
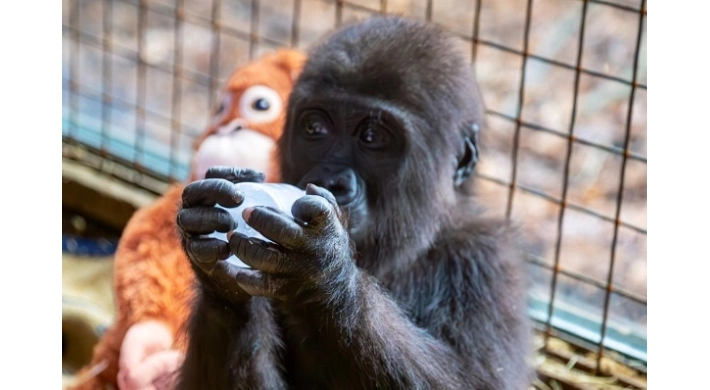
{"x":355,"y":212}
{"x":354,"y":201}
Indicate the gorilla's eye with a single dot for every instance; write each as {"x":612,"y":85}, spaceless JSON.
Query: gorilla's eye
{"x":373,"y":137}
{"x":368,"y":136}
{"x":260,"y":104}
{"x":315,"y":128}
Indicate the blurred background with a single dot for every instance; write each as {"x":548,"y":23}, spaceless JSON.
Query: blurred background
{"x":563,"y":155}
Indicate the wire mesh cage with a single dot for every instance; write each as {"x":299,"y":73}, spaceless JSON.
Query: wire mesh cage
{"x":564,"y":149}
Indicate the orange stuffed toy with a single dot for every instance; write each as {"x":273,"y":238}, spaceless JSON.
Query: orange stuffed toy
{"x":152,"y":278}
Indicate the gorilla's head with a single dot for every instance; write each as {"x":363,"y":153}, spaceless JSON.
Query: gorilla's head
{"x":390,"y":128}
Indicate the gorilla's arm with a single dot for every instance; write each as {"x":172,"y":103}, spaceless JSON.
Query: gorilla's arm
{"x":232,"y":347}
{"x":343,"y":318}
{"x":370,"y":342}
{"x":467,"y":330}
{"x":233,"y":338}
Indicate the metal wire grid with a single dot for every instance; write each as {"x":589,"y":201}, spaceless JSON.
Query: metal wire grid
{"x":624,"y":152}
{"x":77,"y":38}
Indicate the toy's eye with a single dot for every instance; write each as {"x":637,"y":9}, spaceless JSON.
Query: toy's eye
{"x":221,"y":108}
{"x":224,"y":107}
{"x":260,"y":104}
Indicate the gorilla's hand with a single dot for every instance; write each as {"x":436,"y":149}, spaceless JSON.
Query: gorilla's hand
{"x":310,"y":259}
{"x":197,"y":216}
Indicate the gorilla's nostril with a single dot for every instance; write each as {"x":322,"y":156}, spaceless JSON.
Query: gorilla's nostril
{"x":337,"y":190}
{"x":343,"y":192}
{"x":344,"y":187}
{"x":340,"y":181}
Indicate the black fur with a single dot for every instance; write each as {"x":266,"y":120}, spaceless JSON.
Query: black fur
{"x":406,"y":285}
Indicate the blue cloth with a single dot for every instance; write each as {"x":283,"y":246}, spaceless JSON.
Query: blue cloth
{"x":82,"y":246}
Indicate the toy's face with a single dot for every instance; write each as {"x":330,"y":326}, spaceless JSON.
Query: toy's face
{"x":248,"y":119}
{"x":245,"y":127}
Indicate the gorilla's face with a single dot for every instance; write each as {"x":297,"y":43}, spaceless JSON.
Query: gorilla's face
{"x":389,"y":128}
{"x":352,"y":148}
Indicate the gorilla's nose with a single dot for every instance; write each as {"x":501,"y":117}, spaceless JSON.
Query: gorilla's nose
{"x":341,"y":182}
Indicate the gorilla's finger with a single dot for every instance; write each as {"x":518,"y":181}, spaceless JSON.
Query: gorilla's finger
{"x":205,"y":220}
{"x":259,"y":254}
{"x":275,"y":225}
{"x":312,"y":189}
{"x":314,"y":210}
{"x":256,"y":283}
{"x":224,"y":276}
{"x":204,"y":252}
{"x":235,"y":175}
{"x":208,"y":192}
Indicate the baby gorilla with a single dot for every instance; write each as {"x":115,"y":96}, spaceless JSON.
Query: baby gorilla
{"x":387,"y":276}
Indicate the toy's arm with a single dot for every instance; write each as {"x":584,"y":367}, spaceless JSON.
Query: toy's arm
{"x":148,"y":360}
{"x":153,"y":279}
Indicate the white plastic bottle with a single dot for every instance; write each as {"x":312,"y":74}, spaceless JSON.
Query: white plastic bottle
{"x":277,"y":195}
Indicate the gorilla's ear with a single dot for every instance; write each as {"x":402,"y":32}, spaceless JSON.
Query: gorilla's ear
{"x":469,"y":158}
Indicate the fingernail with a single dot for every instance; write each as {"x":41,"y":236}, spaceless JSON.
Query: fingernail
{"x":238,"y":197}
{"x":247,"y":213}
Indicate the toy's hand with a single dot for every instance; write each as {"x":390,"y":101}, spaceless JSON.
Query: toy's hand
{"x":147,"y":361}
{"x":198,"y":217}
{"x":311,"y":259}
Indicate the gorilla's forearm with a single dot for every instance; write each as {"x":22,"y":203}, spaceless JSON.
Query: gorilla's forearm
{"x":234,"y":346}
{"x":365,"y":337}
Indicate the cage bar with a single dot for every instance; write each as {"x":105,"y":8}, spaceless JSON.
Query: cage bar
{"x":140,"y":167}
